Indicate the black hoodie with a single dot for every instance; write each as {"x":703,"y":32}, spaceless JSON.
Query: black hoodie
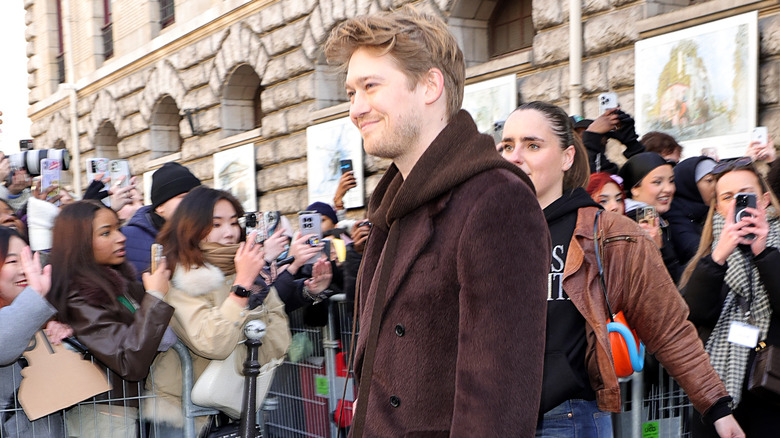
{"x":565,"y":376}
{"x":688,"y":212}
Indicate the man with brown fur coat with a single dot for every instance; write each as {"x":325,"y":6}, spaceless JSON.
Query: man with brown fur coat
{"x":452,"y":287}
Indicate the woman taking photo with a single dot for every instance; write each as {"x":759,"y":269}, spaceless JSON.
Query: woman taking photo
{"x":215,"y":290}
{"x":23,"y":311}
{"x":649,"y":182}
{"x":579,"y":385}
{"x":734,"y":278}
{"x":95,"y":292}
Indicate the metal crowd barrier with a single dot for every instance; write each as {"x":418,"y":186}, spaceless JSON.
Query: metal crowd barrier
{"x":106,"y":415}
{"x":309,"y":385}
{"x":658,"y":409}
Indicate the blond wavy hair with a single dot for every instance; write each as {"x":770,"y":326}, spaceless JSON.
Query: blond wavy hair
{"x":417,"y":42}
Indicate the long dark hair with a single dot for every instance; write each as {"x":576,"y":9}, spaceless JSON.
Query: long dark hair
{"x":72,"y":255}
{"x":5,"y":239}
{"x":560,"y":123}
{"x":190,"y":224}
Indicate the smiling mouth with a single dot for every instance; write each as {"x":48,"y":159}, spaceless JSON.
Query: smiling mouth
{"x":363,"y":125}
{"x":22,"y":283}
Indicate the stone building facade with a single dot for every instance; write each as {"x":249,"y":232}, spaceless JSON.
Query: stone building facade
{"x":253,"y":71}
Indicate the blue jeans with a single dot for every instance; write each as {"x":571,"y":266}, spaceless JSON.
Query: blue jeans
{"x":575,"y":418}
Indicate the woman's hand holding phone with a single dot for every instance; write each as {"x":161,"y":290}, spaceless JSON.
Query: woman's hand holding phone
{"x":274,"y":245}
{"x":653,"y":230}
{"x":302,"y":251}
{"x":249,"y":261}
{"x":757,"y":225}
{"x":121,"y":196}
{"x":158,"y":281}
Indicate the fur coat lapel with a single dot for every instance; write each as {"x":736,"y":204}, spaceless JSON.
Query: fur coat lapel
{"x":198,"y":280}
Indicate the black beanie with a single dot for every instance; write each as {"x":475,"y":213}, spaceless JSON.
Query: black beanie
{"x":171,"y":180}
{"x":637,"y":167}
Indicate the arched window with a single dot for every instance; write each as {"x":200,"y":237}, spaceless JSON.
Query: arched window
{"x":106,"y":141}
{"x":165,"y":137}
{"x":511,"y":27}
{"x":487,"y":29}
{"x":241,"y":109}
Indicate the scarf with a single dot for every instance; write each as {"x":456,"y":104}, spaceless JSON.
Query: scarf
{"x":745,"y":287}
{"x":220,"y":256}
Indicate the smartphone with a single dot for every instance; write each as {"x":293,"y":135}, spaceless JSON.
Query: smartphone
{"x":271,"y":219}
{"x":645,"y":215}
{"x":607,"y":101}
{"x":254,"y":222}
{"x":157,"y":252}
{"x":51,"y":171}
{"x":346,"y":166}
{"x":119,"y":169}
{"x":94,"y":167}
{"x":760,"y":134}
{"x":743,"y":201}
{"x":310,"y":222}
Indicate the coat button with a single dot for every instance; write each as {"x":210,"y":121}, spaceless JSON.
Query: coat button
{"x":395,"y":401}
{"x":400,"y":330}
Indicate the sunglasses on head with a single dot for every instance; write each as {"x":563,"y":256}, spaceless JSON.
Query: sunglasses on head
{"x":730,"y":164}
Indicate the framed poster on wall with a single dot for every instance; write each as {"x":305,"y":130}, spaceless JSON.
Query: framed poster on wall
{"x":234,"y":171}
{"x":327,"y":144}
{"x":699,"y":85}
{"x":490,"y":101}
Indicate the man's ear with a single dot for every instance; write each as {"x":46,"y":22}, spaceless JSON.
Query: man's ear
{"x":434,"y":85}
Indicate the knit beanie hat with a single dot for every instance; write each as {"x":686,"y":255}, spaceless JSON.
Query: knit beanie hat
{"x":637,"y":167}
{"x":703,"y":168}
{"x":325,"y":210}
{"x":171,"y":180}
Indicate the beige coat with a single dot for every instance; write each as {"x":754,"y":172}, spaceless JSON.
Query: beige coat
{"x":211,"y":326}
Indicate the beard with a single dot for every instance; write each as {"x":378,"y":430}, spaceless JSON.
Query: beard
{"x":396,"y":139}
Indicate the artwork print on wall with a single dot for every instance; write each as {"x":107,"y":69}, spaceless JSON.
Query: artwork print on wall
{"x":327,"y":144}
{"x":699,"y":85}
{"x":234,"y":171}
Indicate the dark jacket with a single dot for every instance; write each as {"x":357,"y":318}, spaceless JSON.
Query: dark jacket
{"x":140,"y":233}
{"x":124,"y":341}
{"x":706,"y":292}
{"x":637,"y":284}
{"x":688,"y":211}
{"x":453,"y":358}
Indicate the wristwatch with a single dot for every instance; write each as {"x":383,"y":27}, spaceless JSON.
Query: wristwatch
{"x":240,"y":291}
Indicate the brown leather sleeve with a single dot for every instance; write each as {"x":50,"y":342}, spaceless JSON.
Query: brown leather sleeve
{"x":654,"y":307}
{"x":127,"y":346}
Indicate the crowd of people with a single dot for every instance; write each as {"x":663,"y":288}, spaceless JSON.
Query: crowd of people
{"x":494,"y":276}
{"x":98,"y":290}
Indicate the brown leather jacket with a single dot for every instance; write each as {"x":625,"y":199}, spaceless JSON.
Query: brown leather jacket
{"x":126,"y":342}
{"x":639,"y":285}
